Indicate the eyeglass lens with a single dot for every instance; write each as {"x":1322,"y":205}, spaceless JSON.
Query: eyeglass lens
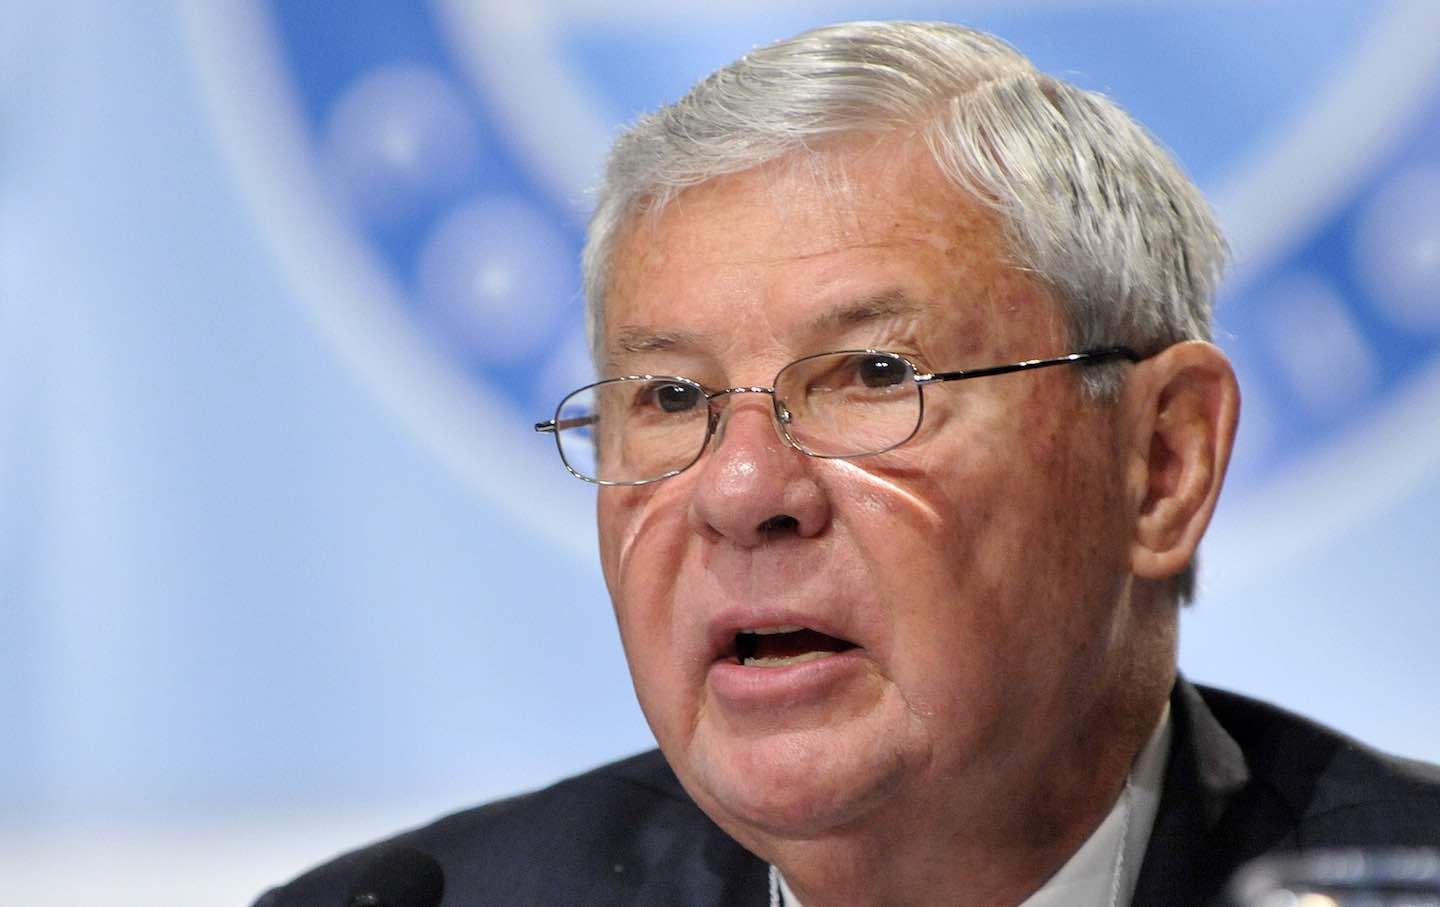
{"x":632,"y":430}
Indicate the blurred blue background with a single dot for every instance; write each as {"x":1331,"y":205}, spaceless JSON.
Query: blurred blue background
{"x":284,"y":284}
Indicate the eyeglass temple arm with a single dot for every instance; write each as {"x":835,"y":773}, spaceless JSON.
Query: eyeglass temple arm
{"x":552,"y":425}
{"x":1089,"y":355}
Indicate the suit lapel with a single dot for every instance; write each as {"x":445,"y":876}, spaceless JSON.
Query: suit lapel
{"x":1213,"y":814}
{"x":706,"y":870}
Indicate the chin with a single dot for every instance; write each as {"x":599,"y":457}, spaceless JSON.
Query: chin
{"x":794,"y":785}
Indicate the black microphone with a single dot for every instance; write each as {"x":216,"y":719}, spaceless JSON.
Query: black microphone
{"x":398,"y":877}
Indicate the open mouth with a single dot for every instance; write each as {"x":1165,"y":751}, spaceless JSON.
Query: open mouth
{"x":778,"y":647}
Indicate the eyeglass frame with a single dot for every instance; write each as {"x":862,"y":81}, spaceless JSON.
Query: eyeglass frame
{"x":782,"y":417}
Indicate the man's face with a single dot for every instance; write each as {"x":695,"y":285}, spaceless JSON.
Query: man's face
{"x":967,"y":592}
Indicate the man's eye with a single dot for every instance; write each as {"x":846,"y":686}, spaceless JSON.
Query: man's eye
{"x":880,"y":371}
{"x":675,"y":398}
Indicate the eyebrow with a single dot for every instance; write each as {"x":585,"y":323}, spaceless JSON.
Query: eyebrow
{"x":887,"y":304}
{"x":635,"y":339}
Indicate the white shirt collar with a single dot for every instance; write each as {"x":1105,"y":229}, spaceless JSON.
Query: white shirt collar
{"x":1090,"y":876}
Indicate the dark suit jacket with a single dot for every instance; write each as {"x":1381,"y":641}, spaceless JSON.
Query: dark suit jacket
{"x":1243,"y":779}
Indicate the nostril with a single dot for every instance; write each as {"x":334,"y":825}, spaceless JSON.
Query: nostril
{"x":780,"y":523}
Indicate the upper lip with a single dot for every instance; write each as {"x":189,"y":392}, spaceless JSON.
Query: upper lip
{"x":725,"y":626}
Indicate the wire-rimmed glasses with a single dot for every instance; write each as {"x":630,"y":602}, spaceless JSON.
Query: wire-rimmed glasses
{"x":639,"y":429}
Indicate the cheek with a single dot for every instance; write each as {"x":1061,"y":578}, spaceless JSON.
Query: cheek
{"x":1023,"y":477}
{"x":628,"y":559}
{"x":991,"y":537}
{"x":1045,"y":559}
{"x":638,"y":528}
{"x":614,"y":513}
{"x":642,"y":544}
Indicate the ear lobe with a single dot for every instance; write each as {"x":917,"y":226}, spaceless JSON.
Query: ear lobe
{"x":1184,"y":404}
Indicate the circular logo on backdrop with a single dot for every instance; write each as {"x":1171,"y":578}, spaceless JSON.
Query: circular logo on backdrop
{"x":423,"y":170}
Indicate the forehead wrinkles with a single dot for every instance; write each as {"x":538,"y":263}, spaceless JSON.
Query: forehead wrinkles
{"x":719,"y":238}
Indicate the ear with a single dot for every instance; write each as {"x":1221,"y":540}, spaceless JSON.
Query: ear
{"x":1182,"y":405}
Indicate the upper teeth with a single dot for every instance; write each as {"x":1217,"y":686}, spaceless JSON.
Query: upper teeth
{"x":771,"y":631}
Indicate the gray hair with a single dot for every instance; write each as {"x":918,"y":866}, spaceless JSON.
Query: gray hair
{"x":1092,"y":205}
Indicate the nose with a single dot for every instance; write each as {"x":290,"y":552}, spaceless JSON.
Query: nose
{"x":752,"y":486}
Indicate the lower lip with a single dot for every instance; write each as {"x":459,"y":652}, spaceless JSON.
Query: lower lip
{"x":743,"y":687}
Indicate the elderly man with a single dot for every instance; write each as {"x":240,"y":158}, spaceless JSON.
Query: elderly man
{"x":908,"y":433}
